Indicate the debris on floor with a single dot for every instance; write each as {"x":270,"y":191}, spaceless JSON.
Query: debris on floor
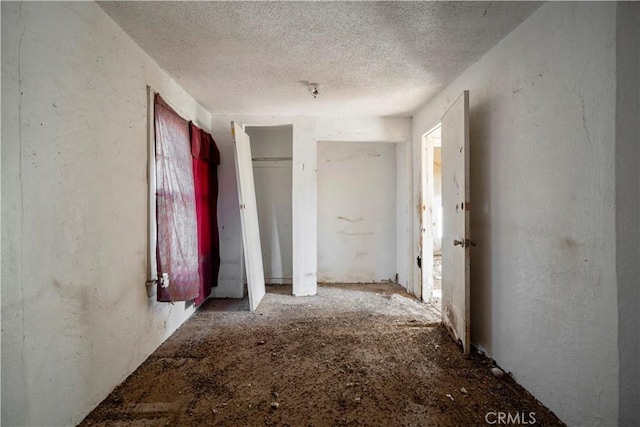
{"x":497,"y":372}
{"x":386,"y":361}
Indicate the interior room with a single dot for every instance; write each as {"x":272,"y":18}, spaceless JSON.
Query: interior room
{"x":318,"y":113}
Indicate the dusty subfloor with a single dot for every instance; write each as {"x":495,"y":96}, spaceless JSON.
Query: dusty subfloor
{"x":366,"y":355}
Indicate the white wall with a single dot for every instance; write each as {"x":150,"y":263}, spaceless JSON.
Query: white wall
{"x":273,"y":182}
{"x":628,"y":208}
{"x":404,"y":226}
{"x":543,"y":296}
{"x":356,"y":212}
{"x":271,"y":141}
{"x":76,"y":319}
{"x":307,"y":131}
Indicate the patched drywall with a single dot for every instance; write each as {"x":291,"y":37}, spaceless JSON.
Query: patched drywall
{"x":543,"y":279}
{"x":271,"y":150}
{"x":356,"y":212}
{"x":307,"y":131}
{"x":76,"y":319}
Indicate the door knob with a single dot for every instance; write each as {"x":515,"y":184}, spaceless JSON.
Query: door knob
{"x":457,"y":242}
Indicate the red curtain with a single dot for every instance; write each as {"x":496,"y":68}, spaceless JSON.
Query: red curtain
{"x":177,"y":251}
{"x":206,"y":159}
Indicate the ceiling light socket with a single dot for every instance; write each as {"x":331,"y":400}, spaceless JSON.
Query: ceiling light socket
{"x":313,"y":89}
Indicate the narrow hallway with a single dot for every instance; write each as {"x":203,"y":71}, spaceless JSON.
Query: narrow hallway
{"x":361,"y":354}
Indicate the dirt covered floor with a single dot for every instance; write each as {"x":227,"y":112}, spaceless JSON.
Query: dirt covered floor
{"x":367,"y":355}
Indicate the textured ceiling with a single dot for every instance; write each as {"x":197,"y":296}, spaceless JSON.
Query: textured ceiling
{"x":370,"y":58}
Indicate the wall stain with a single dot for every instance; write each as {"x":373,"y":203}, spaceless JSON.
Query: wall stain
{"x":578,"y":93}
{"x":344,"y":218}
{"x":569,"y":243}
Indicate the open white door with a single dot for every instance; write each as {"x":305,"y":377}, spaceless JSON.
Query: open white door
{"x":248,"y":216}
{"x":456,"y":241}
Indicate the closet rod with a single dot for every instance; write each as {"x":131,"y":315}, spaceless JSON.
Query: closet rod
{"x":270,"y":159}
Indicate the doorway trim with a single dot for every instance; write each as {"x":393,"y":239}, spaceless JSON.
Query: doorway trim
{"x":249,"y":123}
{"x":425,"y":241}
{"x":305,"y":159}
{"x":285,"y":162}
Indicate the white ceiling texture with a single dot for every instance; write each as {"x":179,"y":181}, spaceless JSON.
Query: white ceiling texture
{"x":370,"y":58}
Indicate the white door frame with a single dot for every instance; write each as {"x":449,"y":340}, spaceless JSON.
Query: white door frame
{"x":426,"y":215}
{"x":276,"y":162}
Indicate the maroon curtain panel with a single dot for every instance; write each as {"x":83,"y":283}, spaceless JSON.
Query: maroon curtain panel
{"x":177,"y":250}
{"x":206,"y":159}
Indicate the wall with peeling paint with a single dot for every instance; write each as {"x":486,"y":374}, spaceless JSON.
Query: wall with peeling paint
{"x":307,"y":131}
{"x":543,"y":275}
{"x":76,"y":319}
{"x":356,"y":212}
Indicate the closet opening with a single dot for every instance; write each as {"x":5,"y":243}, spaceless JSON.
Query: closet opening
{"x":271,"y":155}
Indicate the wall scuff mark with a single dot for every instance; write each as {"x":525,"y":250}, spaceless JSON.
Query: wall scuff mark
{"x":349,"y":220}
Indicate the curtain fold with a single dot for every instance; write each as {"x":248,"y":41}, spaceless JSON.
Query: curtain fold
{"x":206,"y":159}
{"x":177,"y":250}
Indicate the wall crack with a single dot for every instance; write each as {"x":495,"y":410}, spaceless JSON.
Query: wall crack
{"x":583,"y":108}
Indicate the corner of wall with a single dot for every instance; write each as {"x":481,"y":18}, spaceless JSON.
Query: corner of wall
{"x":628,"y":209}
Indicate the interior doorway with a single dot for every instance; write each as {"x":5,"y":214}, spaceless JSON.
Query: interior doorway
{"x":271,"y":155}
{"x":431,"y":218}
